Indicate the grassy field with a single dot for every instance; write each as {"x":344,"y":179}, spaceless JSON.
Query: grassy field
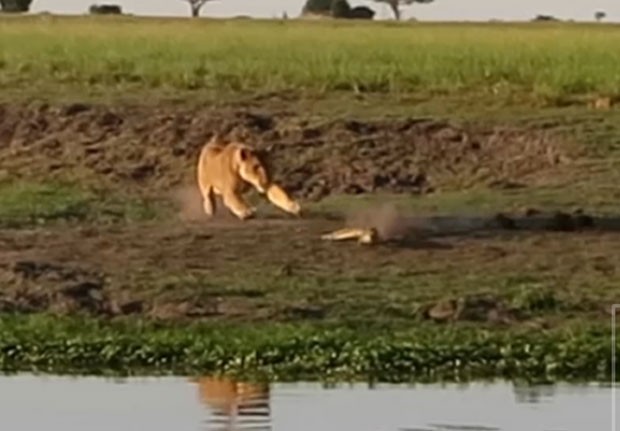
{"x":101,"y":271}
{"x":540,"y":60}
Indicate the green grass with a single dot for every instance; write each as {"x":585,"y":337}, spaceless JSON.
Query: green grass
{"x":549,"y":60}
{"x":292,"y":352}
{"x":29,"y":203}
{"x":484,"y":201}
{"x":25,"y":204}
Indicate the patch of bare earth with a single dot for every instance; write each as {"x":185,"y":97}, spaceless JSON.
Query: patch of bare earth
{"x":197,"y":270}
{"x":155,"y":149}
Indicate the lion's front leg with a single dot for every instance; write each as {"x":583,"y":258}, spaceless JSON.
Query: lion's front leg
{"x":282,"y":200}
{"x":235,"y":203}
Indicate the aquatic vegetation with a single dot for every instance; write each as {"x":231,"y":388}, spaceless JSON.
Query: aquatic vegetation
{"x":292,"y":352}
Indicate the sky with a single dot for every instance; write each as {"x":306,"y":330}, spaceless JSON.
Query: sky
{"x":470,"y":10}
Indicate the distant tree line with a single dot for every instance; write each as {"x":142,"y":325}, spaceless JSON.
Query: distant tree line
{"x":342,"y":9}
{"x":334,"y":8}
{"x":337,"y":9}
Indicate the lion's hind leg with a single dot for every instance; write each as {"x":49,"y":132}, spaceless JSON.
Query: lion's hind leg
{"x":208,"y":199}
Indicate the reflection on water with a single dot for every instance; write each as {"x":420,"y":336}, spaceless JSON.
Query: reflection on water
{"x":235,"y":405}
{"x":31,"y":403}
{"x":535,"y":395}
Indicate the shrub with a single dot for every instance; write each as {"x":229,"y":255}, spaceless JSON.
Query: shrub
{"x":105,"y":9}
{"x":319,"y":7}
{"x":361,"y":12}
{"x":15,"y":6}
{"x":340,"y":9}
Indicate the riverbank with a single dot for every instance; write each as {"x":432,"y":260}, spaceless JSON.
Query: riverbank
{"x":500,"y":215}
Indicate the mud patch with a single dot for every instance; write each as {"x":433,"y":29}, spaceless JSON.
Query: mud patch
{"x":38,"y":285}
{"x":154,"y":149}
{"x":471,"y":308}
{"x":280,"y":270}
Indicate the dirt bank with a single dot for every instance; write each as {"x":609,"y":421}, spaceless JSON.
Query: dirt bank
{"x":151,"y":149}
{"x":278,"y":269}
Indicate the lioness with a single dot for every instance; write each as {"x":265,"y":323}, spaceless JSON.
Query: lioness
{"x":228,"y":170}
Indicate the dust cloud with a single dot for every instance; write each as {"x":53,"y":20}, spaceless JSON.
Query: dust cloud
{"x":188,"y":201}
{"x":390,"y":222}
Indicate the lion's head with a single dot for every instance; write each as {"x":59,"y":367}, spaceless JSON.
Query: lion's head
{"x":253,"y":168}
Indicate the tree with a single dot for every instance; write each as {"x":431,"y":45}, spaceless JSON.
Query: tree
{"x":600,"y":15}
{"x":15,"y":5}
{"x":543,"y":18}
{"x":396,"y":4}
{"x":105,"y":9}
{"x":317,"y":7}
{"x":195,"y":6}
{"x":340,"y":9}
{"x":361,"y":12}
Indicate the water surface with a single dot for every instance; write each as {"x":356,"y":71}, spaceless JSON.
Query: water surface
{"x":33,"y":403}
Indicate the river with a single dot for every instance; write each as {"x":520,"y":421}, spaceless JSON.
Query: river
{"x":34,"y":403}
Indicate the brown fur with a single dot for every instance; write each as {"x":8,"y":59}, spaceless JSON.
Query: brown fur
{"x":227,"y":395}
{"x":230,"y":170}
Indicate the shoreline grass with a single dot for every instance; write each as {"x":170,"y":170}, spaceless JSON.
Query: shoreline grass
{"x":88,"y":54}
{"x":288,"y":352}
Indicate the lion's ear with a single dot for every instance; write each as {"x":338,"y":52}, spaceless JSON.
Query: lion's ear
{"x":216,"y":138}
{"x":244,"y":154}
